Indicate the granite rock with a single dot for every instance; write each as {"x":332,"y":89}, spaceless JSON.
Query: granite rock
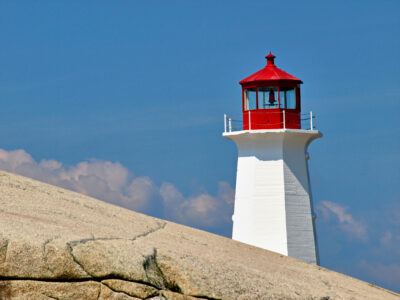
{"x":58,"y":244}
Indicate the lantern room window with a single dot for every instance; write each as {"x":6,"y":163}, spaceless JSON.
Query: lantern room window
{"x":267,"y":97}
{"x":250,"y":99}
{"x":288,"y":98}
{"x":260,"y":98}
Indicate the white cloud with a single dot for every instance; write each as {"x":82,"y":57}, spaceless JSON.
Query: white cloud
{"x":114,"y":183}
{"x":202,"y":210}
{"x":346,"y":221}
{"x":389,"y":244}
{"x":14,"y":159}
{"x":143,"y":195}
{"x":173,"y":200}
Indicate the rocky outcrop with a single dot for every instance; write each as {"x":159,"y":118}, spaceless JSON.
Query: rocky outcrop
{"x":57,"y":244}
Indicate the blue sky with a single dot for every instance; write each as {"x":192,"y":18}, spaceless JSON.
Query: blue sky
{"x":124,"y":100}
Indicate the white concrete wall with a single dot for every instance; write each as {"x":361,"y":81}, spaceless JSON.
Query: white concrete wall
{"x":273,"y":200}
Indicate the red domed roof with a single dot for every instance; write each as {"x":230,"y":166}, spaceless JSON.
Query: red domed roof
{"x":270,"y":73}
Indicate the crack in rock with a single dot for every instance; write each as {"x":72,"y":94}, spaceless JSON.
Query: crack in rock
{"x":161,"y":225}
{"x":155,"y":275}
{"x":45,"y":244}
{"x":51,"y":280}
{"x":99,"y":292}
{"x":153,"y":272}
{"x":70,"y":251}
{"x":92,"y":239}
{"x":133,"y":289}
{"x":72,"y":244}
{"x":204,"y":297}
{"x":44,"y":252}
{"x":131,"y":295}
{"x":151,"y":266}
{"x":114,"y":290}
{"x":5,"y":288}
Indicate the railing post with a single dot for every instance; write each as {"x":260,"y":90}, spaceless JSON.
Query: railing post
{"x":230,"y":125}
{"x":224,"y":122}
{"x":284,"y":120}
{"x":249,"y":120}
{"x":311,"y":121}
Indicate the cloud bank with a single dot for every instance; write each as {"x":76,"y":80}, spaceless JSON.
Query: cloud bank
{"x":114,"y":183}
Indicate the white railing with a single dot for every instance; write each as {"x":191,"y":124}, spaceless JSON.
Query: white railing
{"x":308,"y":121}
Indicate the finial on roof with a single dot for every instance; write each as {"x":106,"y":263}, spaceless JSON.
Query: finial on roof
{"x":270,"y":59}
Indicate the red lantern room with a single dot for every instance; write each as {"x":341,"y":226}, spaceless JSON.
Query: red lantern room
{"x":271,"y":99}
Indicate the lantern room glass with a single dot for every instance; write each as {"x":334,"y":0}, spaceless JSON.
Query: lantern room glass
{"x":250,"y":99}
{"x":267,"y":97}
{"x":287,"y":98}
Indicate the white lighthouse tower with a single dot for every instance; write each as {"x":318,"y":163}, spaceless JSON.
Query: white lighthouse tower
{"x":273,"y":202}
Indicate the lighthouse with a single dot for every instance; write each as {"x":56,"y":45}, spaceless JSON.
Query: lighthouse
{"x":273,"y":200}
